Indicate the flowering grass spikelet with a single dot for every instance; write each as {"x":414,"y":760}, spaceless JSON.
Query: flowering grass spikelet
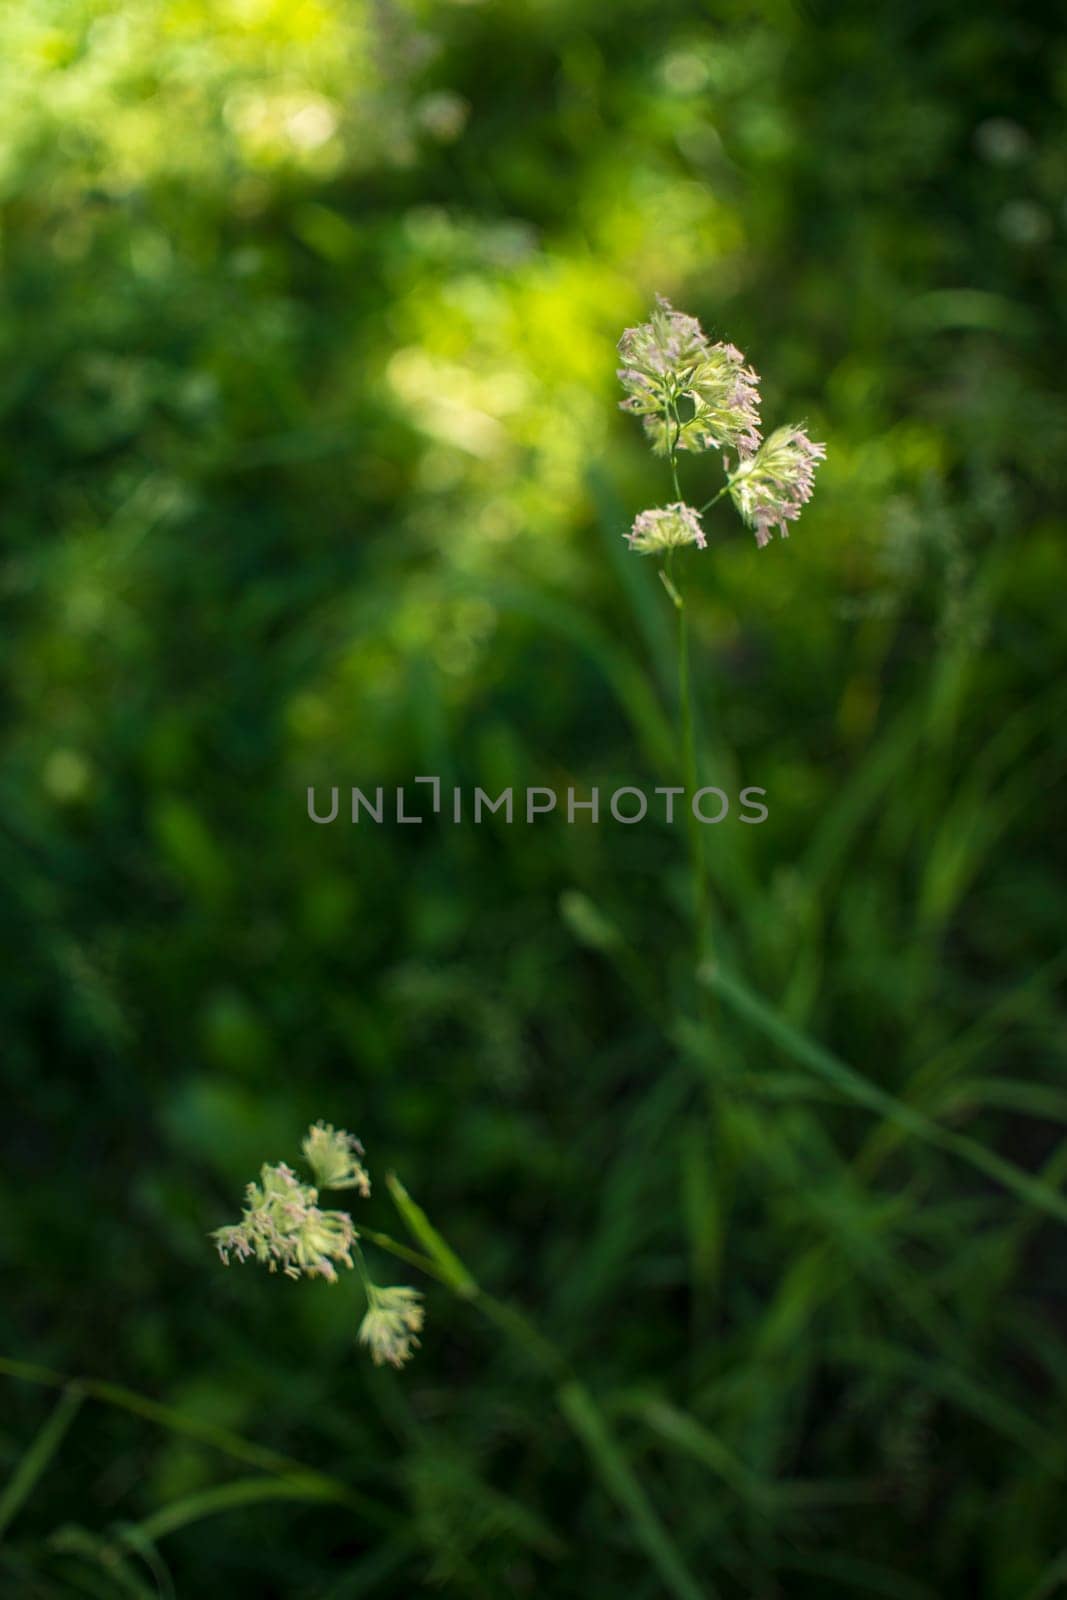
{"x":771,"y":487}
{"x":665,"y":528}
{"x":393,"y":1318}
{"x":726,"y":395}
{"x":669,"y":345}
{"x":333,"y":1156}
{"x":690,"y":395}
{"x":283,"y":1226}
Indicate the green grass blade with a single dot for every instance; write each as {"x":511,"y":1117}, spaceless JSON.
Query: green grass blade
{"x":853,"y":1086}
{"x":35,"y":1462}
{"x":134,"y":1539}
{"x":684,"y":1433}
{"x":230,"y":1497}
{"x":589,"y":1424}
{"x":418,"y":1224}
{"x":207,"y":1433}
{"x":102,"y":1554}
{"x":1008,"y":1094}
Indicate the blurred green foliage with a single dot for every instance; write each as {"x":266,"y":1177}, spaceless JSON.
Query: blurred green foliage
{"x":312,"y":473}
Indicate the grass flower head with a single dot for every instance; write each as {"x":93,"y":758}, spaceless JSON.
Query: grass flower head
{"x":690,"y":395}
{"x":725,"y":395}
{"x":283,"y":1226}
{"x":771,"y":487}
{"x":393,"y":1318}
{"x":655,"y":532}
{"x":334,"y":1158}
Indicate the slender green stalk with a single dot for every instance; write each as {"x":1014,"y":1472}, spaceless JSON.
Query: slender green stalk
{"x":364,"y":1275}
{"x":672,"y":446}
{"x":403,"y":1252}
{"x":714,"y":499}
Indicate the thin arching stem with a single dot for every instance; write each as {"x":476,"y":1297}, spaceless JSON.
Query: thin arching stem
{"x":364,"y":1275}
{"x":672,"y":446}
{"x":709,"y":503}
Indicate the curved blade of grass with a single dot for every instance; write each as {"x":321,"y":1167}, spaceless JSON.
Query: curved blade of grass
{"x":80,"y":1543}
{"x":1008,"y":1094}
{"x":590,"y":1425}
{"x":684,"y":1433}
{"x":853,"y":1086}
{"x":230,"y":1497}
{"x":132,"y":1536}
{"x":208,"y":1433}
{"x":35,"y":1462}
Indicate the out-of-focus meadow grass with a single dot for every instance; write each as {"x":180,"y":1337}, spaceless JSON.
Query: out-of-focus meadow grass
{"x":311,"y":472}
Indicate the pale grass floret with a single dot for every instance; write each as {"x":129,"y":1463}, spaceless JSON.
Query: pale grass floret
{"x":393,"y":1318}
{"x":333,"y":1156}
{"x":690,"y":395}
{"x":770,"y":488}
{"x":725,"y":393}
{"x":669,"y":344}
{"x":665,"y":528}
{"x":282,"y":1225}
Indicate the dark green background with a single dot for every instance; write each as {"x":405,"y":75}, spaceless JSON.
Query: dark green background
{"x":311,"y":472}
